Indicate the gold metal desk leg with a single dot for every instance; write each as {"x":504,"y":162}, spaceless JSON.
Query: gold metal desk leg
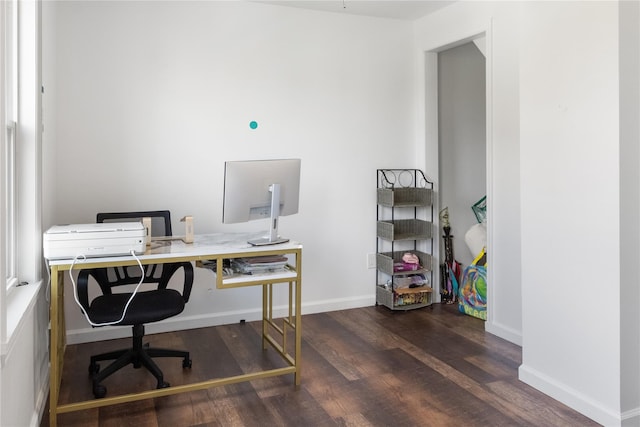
{"x":266,"y":302}
{"x":298,"y":330}
{"x":298,"y":335}
{"x":56,"y":313}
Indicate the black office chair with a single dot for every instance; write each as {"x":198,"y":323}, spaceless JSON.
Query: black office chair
{"x":146,"y":307}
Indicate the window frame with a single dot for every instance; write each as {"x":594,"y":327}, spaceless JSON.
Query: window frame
{"x":10,"y":39}
{"x":9,"y":175}
{"x":20,"y":118}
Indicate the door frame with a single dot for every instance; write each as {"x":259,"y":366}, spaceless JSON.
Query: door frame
{"x":431,"y":143}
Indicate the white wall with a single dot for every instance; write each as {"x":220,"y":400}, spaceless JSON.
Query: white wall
{"x":153,"y":97}
{"x":49,"y":110}
{"x":571,"y":216}
{"x":24,"y":369}
{"x":629,"y":18}
{"x":443,"y":29}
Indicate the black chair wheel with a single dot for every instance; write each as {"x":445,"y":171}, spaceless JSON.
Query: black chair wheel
{"x":186,"y":363}
{"x":94,"y":368}
{"x":99,"y":391}
{"x":163,"y":384}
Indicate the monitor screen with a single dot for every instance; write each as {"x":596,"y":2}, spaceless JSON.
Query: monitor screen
{"x":250,"y":185}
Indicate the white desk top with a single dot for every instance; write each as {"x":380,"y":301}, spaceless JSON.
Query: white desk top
{"x":203,"y":245}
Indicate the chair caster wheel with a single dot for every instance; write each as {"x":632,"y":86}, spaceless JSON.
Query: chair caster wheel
{"x":163,"y":384}
{"x":94,"y":368}
{"x":99,"y":391}
{"x":186,"y":363}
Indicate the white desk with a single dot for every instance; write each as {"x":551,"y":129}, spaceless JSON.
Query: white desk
{"x":217,"y":247}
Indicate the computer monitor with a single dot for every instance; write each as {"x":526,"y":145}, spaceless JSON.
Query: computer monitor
{"x":259,"y":189}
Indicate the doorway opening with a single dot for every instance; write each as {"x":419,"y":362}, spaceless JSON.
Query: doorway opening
{"x":457,"y":76}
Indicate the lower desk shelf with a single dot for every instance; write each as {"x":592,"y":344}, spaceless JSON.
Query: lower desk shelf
{"x":405,"y":298}
{"x":234,"y":280}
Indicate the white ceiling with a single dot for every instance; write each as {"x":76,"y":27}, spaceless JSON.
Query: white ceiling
{"x":394,"y":9}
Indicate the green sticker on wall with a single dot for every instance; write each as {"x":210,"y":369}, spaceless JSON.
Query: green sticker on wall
{"x":253,"y":125}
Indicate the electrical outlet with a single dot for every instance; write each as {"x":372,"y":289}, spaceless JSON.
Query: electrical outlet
{"x":371,"y":260}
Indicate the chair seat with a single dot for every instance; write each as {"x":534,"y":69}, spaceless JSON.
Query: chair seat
{"x":146,"y":307}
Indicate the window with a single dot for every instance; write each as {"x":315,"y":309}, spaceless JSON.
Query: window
{"x":10,"y":205}
{"x":9,"y":92}
{"x":20,"y":165}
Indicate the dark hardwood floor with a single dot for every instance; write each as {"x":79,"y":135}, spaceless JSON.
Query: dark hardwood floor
{"x":361,"y":367}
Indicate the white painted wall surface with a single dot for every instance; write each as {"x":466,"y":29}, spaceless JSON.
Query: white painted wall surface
{"x":445,"y":28}
{"x":153,"y":97}
{"x":24,"y":370}
{"x":629,"y":18}
{"x":570,"y":187}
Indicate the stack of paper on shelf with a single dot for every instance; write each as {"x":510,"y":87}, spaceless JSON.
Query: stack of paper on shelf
{"x":258,"y":265}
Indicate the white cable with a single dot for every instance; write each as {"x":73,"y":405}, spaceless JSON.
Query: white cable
{"x":47,"y":293}
{"x":124,"y":312}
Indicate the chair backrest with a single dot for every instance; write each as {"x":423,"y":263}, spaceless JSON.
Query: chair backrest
{"x":154,"y":273}
{"x":160,"y":220}
{"x":111,"y":277}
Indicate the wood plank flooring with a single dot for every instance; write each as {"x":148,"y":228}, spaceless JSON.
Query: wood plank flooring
{"x":361,"y":367}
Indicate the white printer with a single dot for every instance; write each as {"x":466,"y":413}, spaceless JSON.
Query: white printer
{"x":94,"y":240}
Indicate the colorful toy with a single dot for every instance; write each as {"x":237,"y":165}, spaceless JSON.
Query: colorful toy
{"x":473,"y":291}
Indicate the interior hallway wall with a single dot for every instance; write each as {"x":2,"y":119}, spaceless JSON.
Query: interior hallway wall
{"x":572,"y":129}
{"x":462,"y":145}
{"x":629,"y":34}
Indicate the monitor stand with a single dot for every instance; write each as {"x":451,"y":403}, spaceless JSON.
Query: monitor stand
{"x":267,"y":241}
{"x":273,"y":238}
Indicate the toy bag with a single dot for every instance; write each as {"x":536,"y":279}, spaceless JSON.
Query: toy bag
{"x":472,"y":297}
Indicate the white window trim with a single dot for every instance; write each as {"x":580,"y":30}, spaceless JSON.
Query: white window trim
{"x":3,"y":136}
{"x":9,"y":175}
{"x":18,"y":302}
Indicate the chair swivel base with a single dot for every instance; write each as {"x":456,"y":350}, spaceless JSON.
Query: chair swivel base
{"x":140,"y":356}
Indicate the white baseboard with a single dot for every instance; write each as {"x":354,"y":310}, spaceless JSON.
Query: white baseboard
{"x":631,"y":418}
{"x":572,"y":398}
{"x":504,"y":332}
{"x":178,"y":323}
{"x":41,"y":402}
{"x":338,"y":304}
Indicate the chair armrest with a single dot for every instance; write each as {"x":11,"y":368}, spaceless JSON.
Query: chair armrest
{"x":188,"y":280}
{"x":170,"y":269}
{"x":82,"y":291}
{"x":82,"y":284}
